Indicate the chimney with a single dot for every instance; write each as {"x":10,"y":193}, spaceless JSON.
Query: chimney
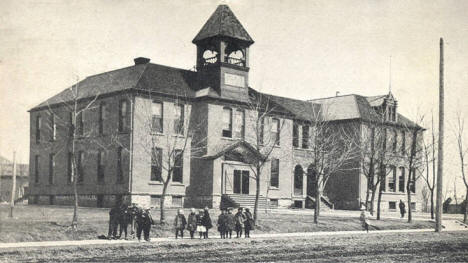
{"x":141,"y":60}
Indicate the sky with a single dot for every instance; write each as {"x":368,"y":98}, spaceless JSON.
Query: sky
{"x":303,"y":49}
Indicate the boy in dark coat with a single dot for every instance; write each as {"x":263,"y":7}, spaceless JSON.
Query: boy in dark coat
{"x":144,"y":222}
{"x":240,"y":221}
{"x":179,"y":223}
{"x":249,"y":223}
{"x":125,"y":218}
{"x":222,"y":221}
{"x":192,"y":222}
{"x":206,"y":222}
{"x":113,"y":222}
{"x":230,"y":223}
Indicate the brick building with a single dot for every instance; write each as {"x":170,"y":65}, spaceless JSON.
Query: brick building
{"x":140,"y":114}
{"x":6,"y":180}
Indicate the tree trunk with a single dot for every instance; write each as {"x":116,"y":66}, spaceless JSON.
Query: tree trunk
{"x":162,"y":218}
{"x":432,"y":203}
{"x":466,"y":207}
{"x":317,"y":204}
{"x":257,"y":193}
{"x":408,"y":193}
{"x":367,"y":195}
{"x":75,"y":190}
{"x":379,"y":200}
{"x":372,"y":201}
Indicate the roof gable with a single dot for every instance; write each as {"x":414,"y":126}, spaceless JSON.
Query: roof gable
{"x":223,"y":23}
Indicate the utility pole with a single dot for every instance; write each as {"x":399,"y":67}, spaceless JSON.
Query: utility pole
{"x":13,"y":186}
{"x":440,"y":157}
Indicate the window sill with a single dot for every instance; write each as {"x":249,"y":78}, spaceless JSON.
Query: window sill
{"x":181,"y":136}
{"x":177,"y":183}
{"x":155,"y":183}
{"x":157,"y":133}
{"x":273,"y":188}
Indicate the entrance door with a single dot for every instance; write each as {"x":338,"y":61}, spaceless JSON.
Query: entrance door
{"x":241,"y":182}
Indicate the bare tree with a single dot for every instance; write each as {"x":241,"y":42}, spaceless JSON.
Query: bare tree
{"x":332,"y":150}
{"x":75,"y":103}
{"x":462,"y":151}
{"x":164,"y":150}
{"x":415,"y":163}
{"x":262,"y":119}
{"x":428,"y":178}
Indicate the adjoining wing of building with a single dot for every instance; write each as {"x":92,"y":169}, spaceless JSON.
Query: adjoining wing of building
{"x":140,"y":115}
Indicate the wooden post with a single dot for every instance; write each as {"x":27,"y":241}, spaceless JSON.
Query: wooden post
{"x":13,"y":186}
{"x":440,"y":157}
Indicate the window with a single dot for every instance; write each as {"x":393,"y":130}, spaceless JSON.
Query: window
{"x":392,"y":205}
{"x":177,"y":201}
{"x":80,"y":168}
{"x":383,"y":171}
{"x":119,"y":165}
{"x":70,"y":167}
{"x":123,"y":116}
{"x":51,"y":168}
{"x":413,"y":206}
{"x":38,"y":129}
{"x":391,"y":180}
{"x":102,"y":117}
{"x":239,"y":125}
{"x":155,"y":200}
{"x":227,"y":122}
{"x":179,"y":119}
{"x":157,"y":117}
{"x":413,"y":181}
{"x":305,"y":136}
{"x":274,"y":178}
{"x":394,"y":141}
{"x":295,"y":141}
{"x":403,"y":143}
{"x":156,"y":164}
{"x":36,"y":168}
{"x":101,"y":166}
{"x":80,"y":124}
{"x":275,"y":135}
{"x":273,"y":202}
{"x":401,"y":180}
{"x":177,"y":174}
{"x":53,"y":127}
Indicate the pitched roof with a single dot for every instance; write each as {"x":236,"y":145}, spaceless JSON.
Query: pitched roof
{"x":354,"y":106}
{"x":224,"y":23}
{"x":157,"y":78}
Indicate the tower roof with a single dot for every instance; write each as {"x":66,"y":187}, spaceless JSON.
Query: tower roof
{"x":224,"y":23}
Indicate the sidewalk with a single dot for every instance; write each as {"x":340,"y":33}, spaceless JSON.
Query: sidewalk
{"x":451,"y":225}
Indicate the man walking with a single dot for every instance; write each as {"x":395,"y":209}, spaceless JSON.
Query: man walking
{"x":402,"y":209}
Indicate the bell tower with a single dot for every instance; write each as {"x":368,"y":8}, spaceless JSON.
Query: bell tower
{"x":223,"y":55}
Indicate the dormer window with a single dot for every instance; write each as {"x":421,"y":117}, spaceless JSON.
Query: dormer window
{"x":391,"y":113}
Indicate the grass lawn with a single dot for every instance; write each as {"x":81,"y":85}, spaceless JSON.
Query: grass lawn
{"x":372,"y":247}
{"x":38,"y":223}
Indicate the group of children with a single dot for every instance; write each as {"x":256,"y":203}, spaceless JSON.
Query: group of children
{"x":201,"y":223}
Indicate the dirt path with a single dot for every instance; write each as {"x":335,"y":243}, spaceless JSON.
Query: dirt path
{"x":451,"y":225}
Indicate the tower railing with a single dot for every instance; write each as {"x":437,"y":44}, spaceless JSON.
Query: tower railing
{"x":235,"y":61}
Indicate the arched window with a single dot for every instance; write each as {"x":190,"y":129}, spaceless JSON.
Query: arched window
{"x":120,"y":165}
{"x":394,"y":141}
{"x":298,"y":179}
{"x":53,"y":127}
{"x":210,"y":56}
{"x":275,"y":131}
{"x":227,"y":122}
{"x":392,"y":179}
{"x":274,"y":176}
{"x":311,"y":180}
{"x":101,"y":164}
